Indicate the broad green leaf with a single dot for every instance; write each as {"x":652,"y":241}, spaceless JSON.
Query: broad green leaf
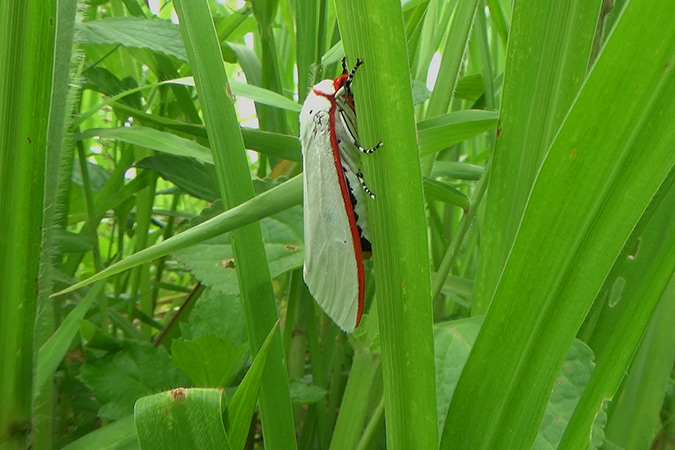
{"x":207,"y":361}
{"x":189,"y":175}
{"x":449,"y":129}
{"x":219,"y":316}
{"x":302,"y":391}
{"x":181,"y":418}
{"x":152,"y":34}
{"x":608,"y":160}
{"x":453,"y":342}
{"x":213,"y":261}
{"x":119,"y":378}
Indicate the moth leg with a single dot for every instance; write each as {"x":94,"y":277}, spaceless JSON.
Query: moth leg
{"x":346,"y":157}
{"x":353,"y":138}
{"x":364,"y":186}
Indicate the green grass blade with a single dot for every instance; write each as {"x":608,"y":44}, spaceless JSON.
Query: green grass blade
{"x":119,"y":435}
{"x":26,"y":64}
{"x":269,"y":202}
{"x":449,"y":129}
{"x":235,"y":185}
{"x":373,"y":30}
{"x":547,"y":59}
{"x":241,"y":408}
{"x":608,"y":160}
{"x":453,"y":51}
{"x":52,"y":352}
{"x":633,"y":291}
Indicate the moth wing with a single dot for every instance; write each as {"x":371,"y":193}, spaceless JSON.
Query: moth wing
{"x":330,"y":270}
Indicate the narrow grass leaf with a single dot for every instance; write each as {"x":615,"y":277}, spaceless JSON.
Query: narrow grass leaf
{"x":546,"y":62}
{"x":241,"y":408}
{"x":52,"y":352}
{"x":153,"y":139}
{"x":270,"y":202}
{"x":449,"y":129}
{"x":595,"y":183}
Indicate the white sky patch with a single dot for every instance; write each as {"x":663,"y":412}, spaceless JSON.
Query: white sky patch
{"x":240,"y":3}
{"x":95,"y":149}
{"x":432,"y":73}
{"x":130,"y":174}
{"x":252,"y":156}
{"x":174,"y":16}
{"x":153,"y":5}
{"x":248,"y":40}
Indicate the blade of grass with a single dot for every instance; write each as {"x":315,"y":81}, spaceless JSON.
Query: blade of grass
{"x":58,"y":157}
{"x":269,"y":202}
{"x":610,"y":165}
{"x":26,"y":60}
{"x":547,"y":57}
{"x":453,"y":51}
{"x":373,"y":30}
{"x":624,"y":321}
{"x":235,"y":185}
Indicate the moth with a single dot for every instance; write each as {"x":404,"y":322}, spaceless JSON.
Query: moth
{"x":335,"y":195}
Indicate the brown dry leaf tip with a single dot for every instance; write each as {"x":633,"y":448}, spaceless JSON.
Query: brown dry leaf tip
{"x":179,"y":393}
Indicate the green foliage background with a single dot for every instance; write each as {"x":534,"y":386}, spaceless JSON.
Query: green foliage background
{"x":521,"y":290}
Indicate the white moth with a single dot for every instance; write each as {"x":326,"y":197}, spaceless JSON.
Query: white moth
{"x":334,"y":206}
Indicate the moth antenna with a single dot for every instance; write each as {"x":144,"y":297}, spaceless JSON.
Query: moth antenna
{"x":344,"y":65}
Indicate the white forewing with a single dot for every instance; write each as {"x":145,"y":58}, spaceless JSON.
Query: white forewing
{"x":330,"y":261}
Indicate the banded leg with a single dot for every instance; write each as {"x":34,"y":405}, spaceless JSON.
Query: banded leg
{"x":353,"y":138}
{"x":348,"y":82}
{"x":364,"y":186}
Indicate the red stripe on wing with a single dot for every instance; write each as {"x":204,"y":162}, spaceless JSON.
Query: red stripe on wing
{"x":349,"y":208}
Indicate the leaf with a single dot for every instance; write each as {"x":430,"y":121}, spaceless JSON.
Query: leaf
{"x":457,"y":170}
{"x":52,"y":352}
{"x":119,"y":435}
{"x":152,"y":34}
{"x":453,"y":342}
{"x":189,"y":175}
{"x":283,"y":196}
{"x":437,"y":190}
{"x":181,"y":418}
{"x":213,"y":263}
{"x":605,"y":165}
{"x":449,"y":129}
{"x":118,"y":379}
{"x":207,"y":361}
{"x":152,"y":139}
{"x":219,"y":316}
{"x":241,"y":408}
{"x":470,"y":87}
{"x":302,"y":391}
